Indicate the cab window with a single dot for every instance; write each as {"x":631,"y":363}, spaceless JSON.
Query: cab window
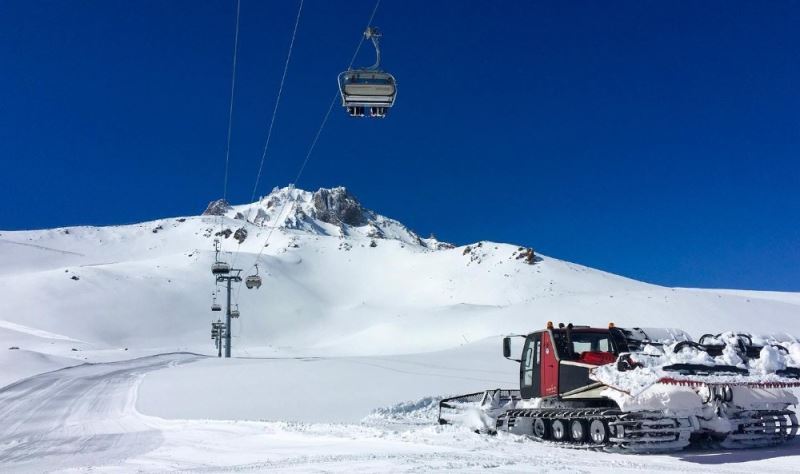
{"x":530,"y":360}
{"x":590,"y":342}
{"x":581,"y":342}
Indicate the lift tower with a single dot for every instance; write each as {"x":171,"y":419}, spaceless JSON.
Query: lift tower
{"x":216,"y":334}
{"x":223,"y":273}
{"x":231,"y":277}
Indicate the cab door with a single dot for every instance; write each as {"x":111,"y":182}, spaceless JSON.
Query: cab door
{"x":529,"y":368}
{"x":549,"y":367}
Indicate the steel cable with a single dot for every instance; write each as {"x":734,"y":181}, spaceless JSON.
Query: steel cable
{"x":310,"y":149}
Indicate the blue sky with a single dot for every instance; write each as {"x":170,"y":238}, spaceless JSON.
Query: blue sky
{"x":658,"y":140}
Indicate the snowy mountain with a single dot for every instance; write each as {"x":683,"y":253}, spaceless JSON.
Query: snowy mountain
{"x":338,"y":278}
{"x":330,"y":212}
{"x":360,"y":322}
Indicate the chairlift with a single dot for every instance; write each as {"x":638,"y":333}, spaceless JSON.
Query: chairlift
{"x":235,"y":312}
{"x":368,"y":91}
{"x":253,"y":281}
{"x":216,"y":329}
{"x":220,"y":268}
{"x":214,"y":305}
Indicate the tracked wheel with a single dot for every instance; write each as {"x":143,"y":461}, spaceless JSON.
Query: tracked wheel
{"x":559,"y":430}
{"x":598,"y":431}
{"x":577,"y":430}
{"x":613,"y":430}
{"x":540,"y":429}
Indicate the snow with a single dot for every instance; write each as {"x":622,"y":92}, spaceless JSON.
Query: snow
{"x":86,"y":416}
{"x":652,"y":364}
{"x":769,"y":361}
{"x":681,"y":401}
{"x":341,"y":356}
{"x":21,"y":364}
{"x":321,"y":389}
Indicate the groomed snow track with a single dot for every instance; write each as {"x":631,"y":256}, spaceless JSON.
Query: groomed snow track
{"x":78,"y":416}
{"x":84,"y":419}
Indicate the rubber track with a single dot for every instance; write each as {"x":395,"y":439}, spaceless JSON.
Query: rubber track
{"x":640,"y":432}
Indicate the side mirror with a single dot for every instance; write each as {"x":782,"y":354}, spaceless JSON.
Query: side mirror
{"x":507,"y":347}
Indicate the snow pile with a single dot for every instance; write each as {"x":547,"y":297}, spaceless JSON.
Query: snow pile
{"x":423,"y":411}
{"x":474,"y":417}
{"x":650,"y":366}
{"x":672,"y":399}
{"x":770,"y":360}
{"x":794,"y":353}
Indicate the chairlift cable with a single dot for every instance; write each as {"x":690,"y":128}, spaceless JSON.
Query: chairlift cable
{"x":277,"y":101}
{"x":321,"y":127}
{"x":274,"y":115}
{"x":230,"y":107}
{"x":313,"y":144}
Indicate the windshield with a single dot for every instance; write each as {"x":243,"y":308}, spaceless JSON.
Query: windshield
{"x":589,"y":341}
{"x":581,"y":342}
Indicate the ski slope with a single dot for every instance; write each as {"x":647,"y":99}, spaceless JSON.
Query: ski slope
{"x":360,"y":325}
{"x":86,"y":416}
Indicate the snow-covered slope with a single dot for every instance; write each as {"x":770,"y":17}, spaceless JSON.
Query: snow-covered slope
{"x":360,"y":323}
{"x":85,"y":419}
{"x":338,"y":279}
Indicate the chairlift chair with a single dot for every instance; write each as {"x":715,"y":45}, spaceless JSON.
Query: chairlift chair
{"x":220,"y":268}
{"x":253,"y":281}
{"x":368,"y":91}
{"x":235,"y":312}
{"x":214,"y":305}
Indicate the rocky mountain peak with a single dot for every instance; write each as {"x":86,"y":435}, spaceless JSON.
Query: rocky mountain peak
{"x":337,"y":205}
{"x":217,"y":208}
{"x":327,"y":211}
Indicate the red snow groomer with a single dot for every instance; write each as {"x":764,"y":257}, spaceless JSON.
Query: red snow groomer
{"x":642,"y":390}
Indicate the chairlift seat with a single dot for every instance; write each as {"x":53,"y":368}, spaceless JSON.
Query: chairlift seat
{"x":365,"y":88}
{"x":220,"y":268}
{"x":253,"y":281}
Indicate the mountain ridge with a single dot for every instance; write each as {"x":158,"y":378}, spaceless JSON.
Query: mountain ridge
{"x":331,"y":286}
{"x":327,"y":211}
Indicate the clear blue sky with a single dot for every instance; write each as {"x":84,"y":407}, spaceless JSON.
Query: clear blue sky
{"x":658,"y":140}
